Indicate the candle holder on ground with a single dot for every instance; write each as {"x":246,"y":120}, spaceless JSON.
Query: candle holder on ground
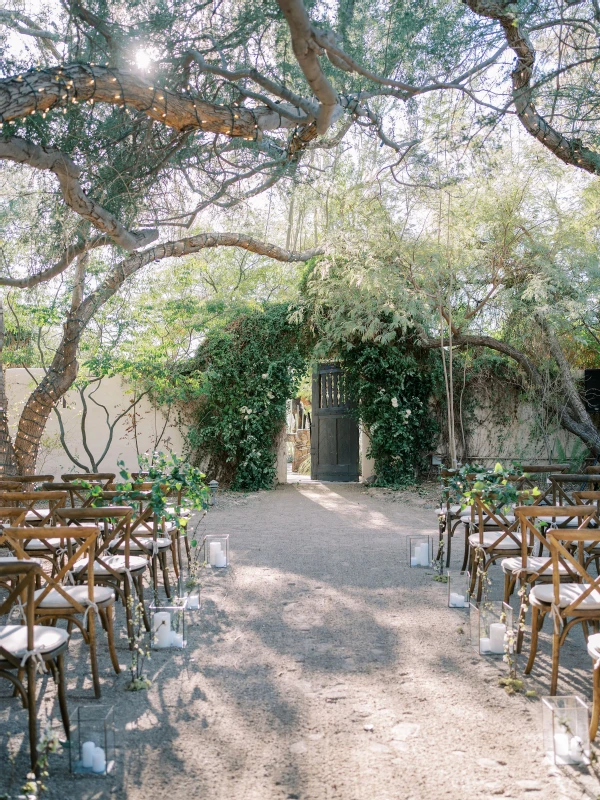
{"x":459,"y":584}
{"x":216,"y":550}
{"x":92,"y":750}
{"x":489,"y":622}
{"x":566,"y":729}
{"x":168,"y":624}
{"x":419,"y":551}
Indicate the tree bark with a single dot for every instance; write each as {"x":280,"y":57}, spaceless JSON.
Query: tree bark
{"x":7,"y":454}
{"x":22,"y":151}
{"x":37,"y":91}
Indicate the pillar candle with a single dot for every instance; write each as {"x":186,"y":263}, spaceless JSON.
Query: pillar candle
{"x":87,"y":754}
{"x":561,"y":745}
{"x":221,"y":559}
{"x":176,"y":639}
{"x":162,"y":629}
{"x":213,"y":553}
{"x":484,"y":645}
{"x":457,"y":600}
{"x":497,"y":632}
{"x":576,"y":749}
{"x":194,"y":601}
{"x":99,"y":761}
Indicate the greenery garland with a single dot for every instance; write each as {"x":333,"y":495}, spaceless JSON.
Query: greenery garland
{"x":248,"y":369}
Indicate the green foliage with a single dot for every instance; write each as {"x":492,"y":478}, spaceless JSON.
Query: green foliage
{"x":392,"y":385}
{"x":495,"y":487}
{"x":249,"y":369}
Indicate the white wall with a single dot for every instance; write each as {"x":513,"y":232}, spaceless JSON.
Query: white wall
{"x":116,"y":396}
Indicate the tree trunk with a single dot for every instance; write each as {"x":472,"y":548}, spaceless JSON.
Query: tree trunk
{"x":8,"y":464}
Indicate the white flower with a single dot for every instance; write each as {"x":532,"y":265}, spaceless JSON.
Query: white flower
{"x":270,"y":395}
{"x":408,"y":412}
{"x":395,"y":402}
{"x":264,"y":376}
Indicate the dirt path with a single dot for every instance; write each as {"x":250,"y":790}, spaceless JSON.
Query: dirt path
{"x":323,"y":668}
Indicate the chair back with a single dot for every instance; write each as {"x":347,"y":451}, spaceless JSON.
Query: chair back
{"x":563,"y":492}
{"x":103,"y":478}
{"x":76,"y":543}
{"x":31,"y":501}
{"x":564,"y":546}
{"x":491,"y":517}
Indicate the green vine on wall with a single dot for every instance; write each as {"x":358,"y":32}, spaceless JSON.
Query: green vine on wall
{"x":392,"y":387}
{"x":249,"y":369}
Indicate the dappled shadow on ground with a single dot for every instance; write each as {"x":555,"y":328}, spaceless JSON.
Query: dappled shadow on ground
{"x":320,"y":667}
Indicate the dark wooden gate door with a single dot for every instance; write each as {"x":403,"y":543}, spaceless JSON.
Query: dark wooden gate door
{"x":334,"y":433}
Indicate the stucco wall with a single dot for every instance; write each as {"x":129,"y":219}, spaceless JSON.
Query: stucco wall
{"x":116,"y":396}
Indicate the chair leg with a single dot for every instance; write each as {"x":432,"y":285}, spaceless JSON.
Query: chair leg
{"x":534,"y":639}
{"x":508,"y":586}
{"x":595,"y":705}
{"x":165,"y":572}
{"x":106,"y":615}
{"x":62,"y":695}
{"x":174,"y":550}
{"x":91,"y":632}
{"x":140,"y":591}
{"x":32,"y":709}
{"x":466,"y":553}
{"x":555,"y":658}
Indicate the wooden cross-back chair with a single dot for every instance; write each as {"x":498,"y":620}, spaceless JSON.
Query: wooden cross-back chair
{"x":564,"y":495}
{"x":40,"y":511}
{"x":149,"y":535}
{"x":28,"y":647}
{"x":568,"y":603}
{"x":592,"y":550}
{"x":497,"y":536}
{"x":103,"y":478}
{"x":528,"y":569}
{"x":530,"y":477}
{"x":121,"y":571}
{"x":59,"y":598}
{"x":13,"y":517}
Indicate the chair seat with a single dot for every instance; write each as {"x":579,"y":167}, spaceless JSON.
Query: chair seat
{"x":510,"y":518}
{"x":185,"y":512}
{"x":489,"y":537}
{"x":544,"y":594}
{"x":32,"y":516}
{"x":533,"y":565}
{"x":117,"y":563}
{"x":441,"y":512}
{"x":593,"y":646}
{"x":54,"y":599}
{"x":46,"y":640}
{"x":146,"y":541}
{"x":37,"y":544}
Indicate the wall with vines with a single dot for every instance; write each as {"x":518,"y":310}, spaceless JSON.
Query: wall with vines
{"x":248,"y":369}
{"x":392,"y":385}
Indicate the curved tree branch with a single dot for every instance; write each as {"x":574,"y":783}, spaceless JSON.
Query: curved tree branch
{"x":569,"y":150}
{"x":42,"y":90}
{"x":67,"y":259}
{"x":307,"y":52}
{"x":22,"y":151}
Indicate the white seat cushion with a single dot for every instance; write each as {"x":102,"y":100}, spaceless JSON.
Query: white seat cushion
{"x":13,"y":638}
{"x":544,"y":593}
{"x":510,"y":518}
{"x":533,"y":565}
{"x":146,"y":541}
{"x":54,"y":599}
{"x":117,"y":563}
{"x":185,"y":512}
{"x":36,"y":544}
{"x":593,"y":645}
{"x":32,"y":516}
{"x":489,"y":537}
{"x":454,"y":511}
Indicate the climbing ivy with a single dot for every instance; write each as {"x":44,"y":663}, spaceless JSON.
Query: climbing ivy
{"x":248,"y":369}
{"x":392,"y":386}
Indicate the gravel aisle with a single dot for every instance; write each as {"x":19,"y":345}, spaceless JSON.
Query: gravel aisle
{"x":322,"y":668}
